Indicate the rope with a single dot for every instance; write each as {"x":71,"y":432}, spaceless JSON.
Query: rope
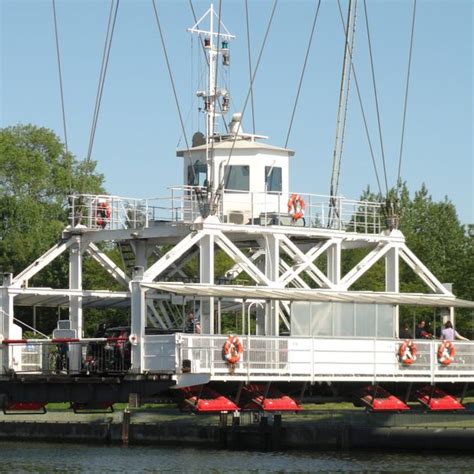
{"x":359,"y":96}
{"x":221,"y":184}
{"x":250,"y":63}
{"x":302,"y":72}
{"x":60,"y":75}
{"x":406,"y":99}
{"x":103,"y":72}
{"x":163,"y":44}
{"x":375,"y":94}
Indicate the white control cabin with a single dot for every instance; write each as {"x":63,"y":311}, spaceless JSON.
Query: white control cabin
{"x":254,"y":175}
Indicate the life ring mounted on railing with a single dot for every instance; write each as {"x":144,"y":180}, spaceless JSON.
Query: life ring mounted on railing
{"x":296,"y":207}
{"x":102,"y":214}
{"x":446,"y":353}
{"x":407,"y":352}
{"x":232,"y":350}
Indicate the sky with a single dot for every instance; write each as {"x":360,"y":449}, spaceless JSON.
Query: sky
{"x":139,"y":131}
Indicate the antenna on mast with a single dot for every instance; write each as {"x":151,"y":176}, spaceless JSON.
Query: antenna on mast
{"x":216,"y":99}
{"x":213,"y":50}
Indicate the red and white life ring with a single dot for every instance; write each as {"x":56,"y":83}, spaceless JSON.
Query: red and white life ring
{"x":296,"y":206}
{"x":102,"y":214}
{"x":446,"y":352}
{"x":233,"y":349}
{"x":407,"y":352}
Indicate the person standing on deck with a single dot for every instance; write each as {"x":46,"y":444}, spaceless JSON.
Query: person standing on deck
{"x":449,"y":333}
{"x":405,"y":332}
{"x":421,"y":332}
{"x":192,"y":324}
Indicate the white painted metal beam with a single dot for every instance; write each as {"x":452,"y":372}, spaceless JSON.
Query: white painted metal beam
{"x":365,"y":264}
{"x":422,"y":271}
{"x":170,"y":257}
{"x":41,"y":262}
{"x":108,"y":265}
{"x":308,"y":263}
{"x":237,"y":255}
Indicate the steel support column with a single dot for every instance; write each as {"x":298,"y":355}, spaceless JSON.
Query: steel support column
{"x":206,"y":268}
{"x":392,"y":281}
{"x":75,"y":283}
{"x":333,"y":256}
{"x":138,"y":320}
{"x":272,"y":272}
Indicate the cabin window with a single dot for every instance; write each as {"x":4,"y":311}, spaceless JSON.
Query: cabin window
{"x":237,"y":178}
{"x":199,"y":176}
{"x":342,"y":320}
{"x":273,"y":179}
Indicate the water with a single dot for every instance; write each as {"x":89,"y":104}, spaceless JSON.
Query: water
{"x":42,"y":457}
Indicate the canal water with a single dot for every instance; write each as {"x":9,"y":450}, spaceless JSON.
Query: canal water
{"x":46,"y":457}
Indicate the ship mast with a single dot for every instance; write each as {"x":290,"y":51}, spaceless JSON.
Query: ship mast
{"x":216,"y":99}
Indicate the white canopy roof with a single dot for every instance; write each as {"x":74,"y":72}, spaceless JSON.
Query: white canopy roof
{"x":296,"y":294}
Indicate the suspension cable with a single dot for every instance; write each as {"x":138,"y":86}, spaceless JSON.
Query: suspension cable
{"x":359,"y":96}
{"x":406,"y":99}
{"x":163,"y":44}
{"x":310,"y":41}
{"x":375,"y":95}
{"x":349,"y":50}
{"x":103,"y":72}
{"x":221,"y":184}
{"x":60,"y":75}
{"x":250,"y":63}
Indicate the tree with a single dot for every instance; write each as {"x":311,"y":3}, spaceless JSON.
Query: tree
{"x":36,"y":177}
{"x":433,"y":232}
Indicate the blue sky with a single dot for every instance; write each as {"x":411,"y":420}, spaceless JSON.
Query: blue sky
{"x":139,"y":130}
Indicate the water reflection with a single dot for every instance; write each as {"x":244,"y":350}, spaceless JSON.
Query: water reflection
{"x":42,"y":457}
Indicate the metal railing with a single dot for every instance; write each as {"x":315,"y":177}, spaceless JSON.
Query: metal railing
{"x":69,"y":357}
{"x":264,"y":357}
{"x":186,"y":203}
{"x":312,"y":359}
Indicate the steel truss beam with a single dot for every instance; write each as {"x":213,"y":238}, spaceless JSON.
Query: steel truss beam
{"x":108,"y":265}
{"x":41,"y":262}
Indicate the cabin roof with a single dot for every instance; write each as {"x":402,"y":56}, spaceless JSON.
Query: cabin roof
{"x":316,"y":295}
{"x":239,"y":145}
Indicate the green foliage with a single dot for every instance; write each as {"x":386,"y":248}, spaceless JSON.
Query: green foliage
{"x":433,"y":232}
{"x":36,"y":176}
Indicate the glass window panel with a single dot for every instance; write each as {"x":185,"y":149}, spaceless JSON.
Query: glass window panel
{"x":237,"y":178}
{"x":343,"y":319}
{"x":273,"y":179}
{"x":198,"y":177}
{"x":321,"y":319}
{"x":300,"y":318}
{"x":385,"y":318}
{"x":365,"y":320}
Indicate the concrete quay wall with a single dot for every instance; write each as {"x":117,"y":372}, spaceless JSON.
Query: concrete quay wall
{"x":264,"y":436}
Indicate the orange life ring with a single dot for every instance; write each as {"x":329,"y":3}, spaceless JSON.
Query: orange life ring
{"x":232,"y":350}
{"x":407,"y":352}
{"x":296,"y":206}
{"x":102,"y":214}
{"x":446,"y":352}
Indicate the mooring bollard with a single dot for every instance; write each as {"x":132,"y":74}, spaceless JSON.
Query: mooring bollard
{"x":125,"y":426}
{"x":223,"y":429}
{"x":276,"y":432}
